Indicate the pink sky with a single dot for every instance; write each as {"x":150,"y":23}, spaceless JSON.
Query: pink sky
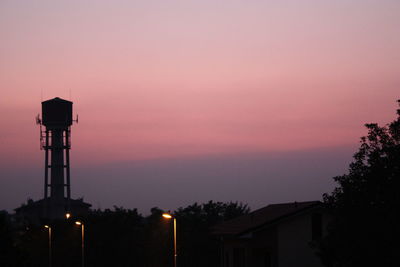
{"x":169,"y":79}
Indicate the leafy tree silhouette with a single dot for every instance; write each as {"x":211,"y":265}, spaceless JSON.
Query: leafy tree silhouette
{"x":365,"y":229}
{"x":196,"y":245}
{"x":10,"y":255}
{"x":120,"y":237}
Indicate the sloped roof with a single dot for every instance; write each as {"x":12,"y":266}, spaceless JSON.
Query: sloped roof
{"x":56,"y":99}
{"x":261,"y":217}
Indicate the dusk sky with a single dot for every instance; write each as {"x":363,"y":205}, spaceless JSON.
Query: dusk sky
{"x":182,"y":101}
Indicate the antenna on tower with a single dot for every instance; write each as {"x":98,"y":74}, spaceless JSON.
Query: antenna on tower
{"x":38,"y":120}
{"x":41,"y":132}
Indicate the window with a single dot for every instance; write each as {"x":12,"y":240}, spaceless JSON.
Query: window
{"x":227,"y":263}
{"x":267,"y":259}
{"x":316,"y":226}
{"x":239,"y":259}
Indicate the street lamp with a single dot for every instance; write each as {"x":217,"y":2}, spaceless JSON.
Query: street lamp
{"x":169,"y":216}
{"x":49,"y":230}
{"x":82,"y":240}
{"x":67,"y":215}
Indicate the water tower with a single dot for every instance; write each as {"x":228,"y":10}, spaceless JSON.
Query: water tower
{"x":55,"y":140}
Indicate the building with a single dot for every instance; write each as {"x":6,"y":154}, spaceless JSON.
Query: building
{"x":55,"y":139}
{"x":278,"y":235}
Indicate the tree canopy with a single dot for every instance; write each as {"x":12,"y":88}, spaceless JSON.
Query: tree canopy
{"x":365,"y":228}
{"x":121,"y":237}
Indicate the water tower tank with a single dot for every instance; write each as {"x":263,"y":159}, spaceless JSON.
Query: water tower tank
{"x":57,"y":112}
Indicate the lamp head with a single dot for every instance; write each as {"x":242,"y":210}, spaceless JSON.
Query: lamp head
{"x":167,"y":215}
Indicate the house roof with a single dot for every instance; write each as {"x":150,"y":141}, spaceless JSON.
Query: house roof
{"x":262,"y":217}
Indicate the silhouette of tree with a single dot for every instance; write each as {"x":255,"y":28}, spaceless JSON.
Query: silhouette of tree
{"x":114,"y":237}
{"x":119,"y":237}
{"x":365,"y":229}
{"x":196,"y":245}
{"x":157,"y":233}
{"x":8,"y":251}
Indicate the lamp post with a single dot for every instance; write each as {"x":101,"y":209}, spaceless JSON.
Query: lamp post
{"x":82,"y":240}
{"x":49,"y":230}
{"x":169,"y":216}
{"x":67,"y":215}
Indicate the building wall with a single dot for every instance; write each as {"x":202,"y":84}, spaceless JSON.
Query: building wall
{"x":231,"y":249}
{"x":253,"y":250}
{"x":264,"y":248}
{"x":284,"y":244}
{"x":294,"y":237}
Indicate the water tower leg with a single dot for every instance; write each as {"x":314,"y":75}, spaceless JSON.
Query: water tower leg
{"x":46,"y":166}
